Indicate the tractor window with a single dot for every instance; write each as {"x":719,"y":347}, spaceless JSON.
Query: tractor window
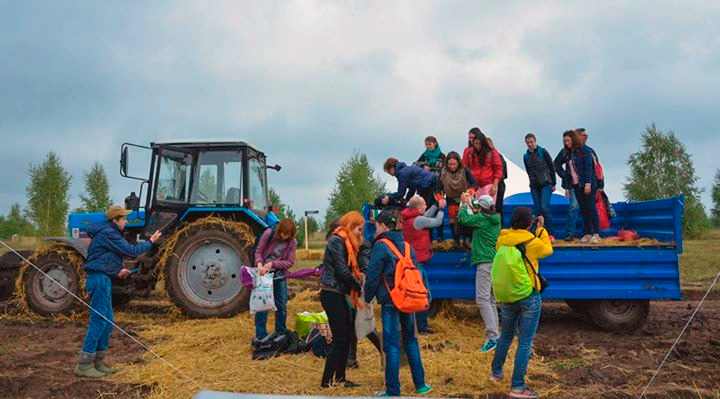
{"x":257,"y":184}
{"x":174,"y":176}
{"x":219,"y":178}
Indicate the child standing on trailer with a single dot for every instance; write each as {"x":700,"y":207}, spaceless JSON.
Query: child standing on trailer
{"x":104,"y":262}
{"x":432,"y":160}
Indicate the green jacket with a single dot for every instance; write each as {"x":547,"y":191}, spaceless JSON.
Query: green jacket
{"x":486,"y":229}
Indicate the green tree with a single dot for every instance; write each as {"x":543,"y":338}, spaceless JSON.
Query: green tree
{"x":663,"y":168}
{"x":284,"y":212}
{"x":15,"y":223}
{"x":97,"y":190}
{"x":716,"y":198}
{"x":48,"y":196}
{"x":356,"y":183}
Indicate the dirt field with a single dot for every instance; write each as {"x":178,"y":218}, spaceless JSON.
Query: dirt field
{"x":36,"y":358}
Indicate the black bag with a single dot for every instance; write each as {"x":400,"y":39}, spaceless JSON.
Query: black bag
{"x":543,"y":281}
{"x":270,"y":346}
{"x":319,"y":344}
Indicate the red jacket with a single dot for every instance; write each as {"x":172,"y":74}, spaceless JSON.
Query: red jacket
{"x":419,"y":240}
{"x":489,"y":171}
{"x":466,"y":155}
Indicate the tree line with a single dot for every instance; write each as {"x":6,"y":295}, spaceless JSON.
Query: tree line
{"x":662,"y":168}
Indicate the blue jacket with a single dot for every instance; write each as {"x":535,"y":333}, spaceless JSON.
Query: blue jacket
{"x":583,"y":160}
{"x":411,"y":178}
{"x":382,"y":267}
{"x":108,"y":247}
{"x":562,"y":168}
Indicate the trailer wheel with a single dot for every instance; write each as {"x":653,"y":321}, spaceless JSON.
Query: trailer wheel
{"x":435,"y":307}
{"x":622,"y":316}
{"x":203,"y":275}
{"x":43,"y":295}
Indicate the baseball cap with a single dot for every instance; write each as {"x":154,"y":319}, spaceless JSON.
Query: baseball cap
{"x":486,"y":202}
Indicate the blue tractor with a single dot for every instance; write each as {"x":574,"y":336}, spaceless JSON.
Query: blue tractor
{"x":210,"y":201}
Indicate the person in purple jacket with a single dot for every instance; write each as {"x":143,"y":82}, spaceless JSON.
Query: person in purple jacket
{"x":276,"y":253}
{"x":105,"y":262}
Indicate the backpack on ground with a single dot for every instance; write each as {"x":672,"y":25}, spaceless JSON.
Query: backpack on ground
{"x":409,"y":294}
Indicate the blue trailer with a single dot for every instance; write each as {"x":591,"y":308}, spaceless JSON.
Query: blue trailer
{"x":611,"y":284}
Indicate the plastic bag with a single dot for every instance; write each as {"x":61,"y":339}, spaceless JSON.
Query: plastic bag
{"x":364,"y":321}
{"x":261,"y":297}
{"x":304,"y":320}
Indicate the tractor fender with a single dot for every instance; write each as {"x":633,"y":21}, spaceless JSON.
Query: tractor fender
{"x":80,"y":245}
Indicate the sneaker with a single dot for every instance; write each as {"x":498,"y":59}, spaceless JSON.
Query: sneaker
{"x":552,"y":239}
{"x":489,"y":345}
{"x":381,"y":393}
{"x":350,"y":384}
{"x":424,"y":389}
{"x":523,"y":393}
{"x":595,"y":239}
{"x":495,"y":378}
{"x":585,"y":239}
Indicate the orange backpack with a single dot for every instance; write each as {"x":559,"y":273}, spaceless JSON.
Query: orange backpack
{"x":409,"y":294}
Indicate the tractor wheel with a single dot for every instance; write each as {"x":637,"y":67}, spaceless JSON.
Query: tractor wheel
{"x":203,"y":275}
{"x":622,"y":316}
{"x":45,"y":296}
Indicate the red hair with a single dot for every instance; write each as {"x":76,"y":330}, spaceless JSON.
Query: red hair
{"x":286,"y":228}
{"x":349,"y":222}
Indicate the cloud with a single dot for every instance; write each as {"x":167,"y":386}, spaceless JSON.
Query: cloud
{"x":309,"y":82}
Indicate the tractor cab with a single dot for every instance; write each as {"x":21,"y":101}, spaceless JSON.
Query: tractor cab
{"x":192,"y":178}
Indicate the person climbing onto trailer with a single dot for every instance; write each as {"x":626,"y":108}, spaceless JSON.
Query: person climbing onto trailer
{"x":411,"y":180}
{"x":104,"y":262}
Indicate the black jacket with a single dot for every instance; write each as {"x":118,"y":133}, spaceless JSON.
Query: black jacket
{"x":563,"y":169}
{"x":336,"y":273}
{"x":539,"y":167}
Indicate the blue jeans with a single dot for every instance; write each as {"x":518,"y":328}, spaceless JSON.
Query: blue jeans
{"x":99,"y":288}
{"x":280,"y":294}
{"x":421,"y":318}
{"x":573,"y":210}
{"x":541,"y":200}
{"x":392,"y":322}
{"x":525,"y":316}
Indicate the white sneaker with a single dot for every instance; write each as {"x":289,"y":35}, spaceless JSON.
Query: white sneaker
{"x":595,"y":239}
{"x":585,"y":239}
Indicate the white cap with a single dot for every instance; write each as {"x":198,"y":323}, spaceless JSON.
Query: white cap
{"x":486,"y":202}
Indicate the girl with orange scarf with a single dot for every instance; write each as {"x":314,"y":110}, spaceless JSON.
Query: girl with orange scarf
{"x":341,"y":276}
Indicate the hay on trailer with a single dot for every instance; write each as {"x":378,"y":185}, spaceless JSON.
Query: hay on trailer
{"x":217,"y":354}
{"x":65,"y":252}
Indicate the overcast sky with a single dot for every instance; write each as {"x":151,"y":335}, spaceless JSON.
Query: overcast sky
{"x":310,"y":81}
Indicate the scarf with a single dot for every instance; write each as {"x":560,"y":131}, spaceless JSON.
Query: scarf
{"x":353,"y":263}
{"x":432,"y":156}
{"x":454,"y":183}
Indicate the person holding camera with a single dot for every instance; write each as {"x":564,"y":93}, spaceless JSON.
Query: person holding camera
{"x":517,"y":285}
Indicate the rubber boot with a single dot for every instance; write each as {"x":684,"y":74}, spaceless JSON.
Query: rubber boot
{"x":86,"y":368}
{"x":100,"y":364}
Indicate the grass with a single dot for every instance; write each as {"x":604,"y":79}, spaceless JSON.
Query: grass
{"x":700,"y":260}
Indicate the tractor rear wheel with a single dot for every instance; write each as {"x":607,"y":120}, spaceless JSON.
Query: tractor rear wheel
{"x":203,"y":274}
{"x":43,"y":295}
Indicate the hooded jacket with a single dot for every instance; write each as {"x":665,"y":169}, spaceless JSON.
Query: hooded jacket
{"x":539,"y":247}
{"x":336,"y":273}
{"x":411,"y":178}
{"x":381,"y":269}
{"x":108,"y":247}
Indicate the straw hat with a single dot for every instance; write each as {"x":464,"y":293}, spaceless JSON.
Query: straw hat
{"x":116,"y":212}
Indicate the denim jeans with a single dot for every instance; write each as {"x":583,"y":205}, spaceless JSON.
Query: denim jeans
{"x":280,"y":294}
{"x":541,"y":199}
{"x":421,"y":318}
{"x":525,"y":316}
{"x":393,"y":322}
{"x":572,"y":216}
{"x":99,"y":288}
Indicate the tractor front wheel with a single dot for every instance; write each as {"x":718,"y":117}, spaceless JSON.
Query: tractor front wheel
{"x":203,"y":274}
{"x":47,"y":294}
